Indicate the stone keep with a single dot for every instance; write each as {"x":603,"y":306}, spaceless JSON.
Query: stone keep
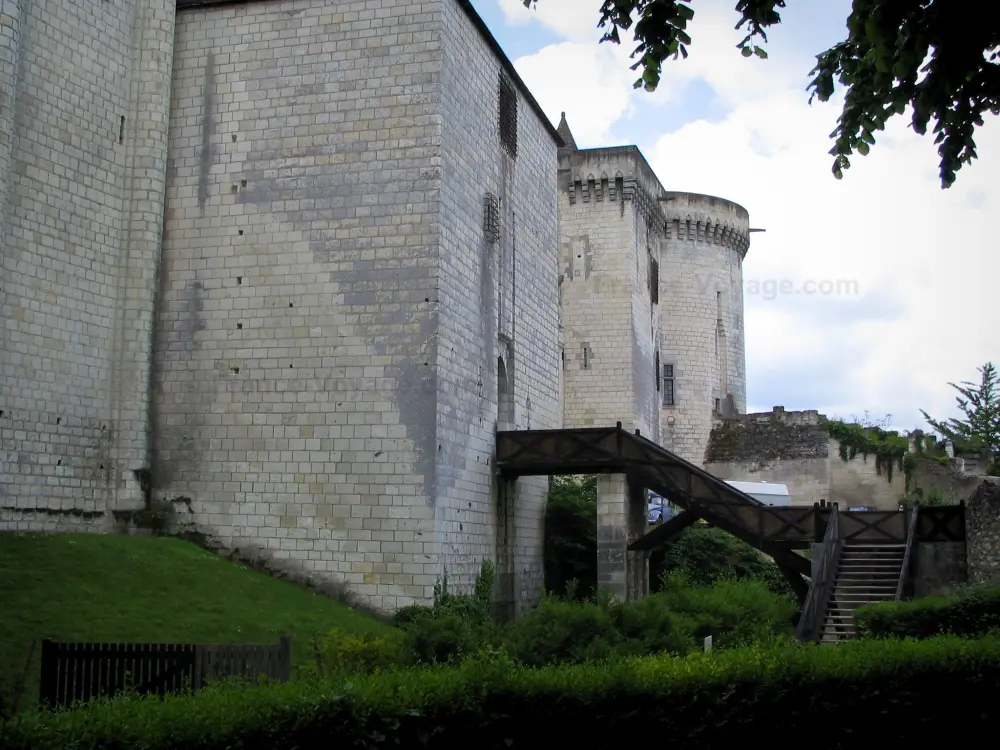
{"x":284,"y":268}
{"x":357,"y":280}
{"x":84,"y":103}
{"x":703,"y":351}
{"x":610,"y":231}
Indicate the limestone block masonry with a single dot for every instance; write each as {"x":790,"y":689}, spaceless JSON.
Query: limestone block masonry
{"x":982,"y":532}
{"x":610,"y":229}
{"x":790,"y":448}
{"x":498,"y":312}
{"x":84,"y":98}
{"x":285,"y":268}
{"x":794,"y":448}
{"x":327,"y":350}
{"x":701,"y":305}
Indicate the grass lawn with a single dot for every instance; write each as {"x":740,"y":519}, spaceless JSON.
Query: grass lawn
{"x":97,"y":588}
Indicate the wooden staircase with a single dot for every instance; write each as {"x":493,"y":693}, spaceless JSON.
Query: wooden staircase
{"x":865,"y":573}
{"x":851,"y":570}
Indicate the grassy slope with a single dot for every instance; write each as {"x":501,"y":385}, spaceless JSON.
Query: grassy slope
{"x":82,"y":587}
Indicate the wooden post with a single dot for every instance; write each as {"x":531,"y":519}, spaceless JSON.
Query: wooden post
{"x":285,"y":658}
{"x":198,"y":672}
{"x":47,"y":695}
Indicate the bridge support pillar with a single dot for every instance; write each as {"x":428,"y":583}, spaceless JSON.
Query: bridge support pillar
{"x":505,"y":587}
{"x":621,"y":518}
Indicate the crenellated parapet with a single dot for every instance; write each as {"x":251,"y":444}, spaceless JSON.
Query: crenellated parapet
{"x":691,"y":217}
{"x":616,"y":175}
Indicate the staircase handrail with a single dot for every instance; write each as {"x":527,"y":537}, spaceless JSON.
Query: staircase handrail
{"x":902,"y":588}
{"x":821,"y":586}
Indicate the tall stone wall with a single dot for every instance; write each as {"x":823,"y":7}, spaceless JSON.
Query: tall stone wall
{"x":789,"y":448}
{"x":326,"y":378}
{"x":84,"y":97}
{"x":610,"y":229}
{"x":793,"y":448}
{"x":702,"y":316}
{"x":948,"y":479}
{"x":938,"y":568}
{"x":982,"y":532}
{"x":295,"y":379}
{"x":857,"y":482}
{"x":497,"y":302}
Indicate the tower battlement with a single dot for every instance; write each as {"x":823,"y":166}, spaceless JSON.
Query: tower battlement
{"x":691,"y":217}
{"x":615,"y":174}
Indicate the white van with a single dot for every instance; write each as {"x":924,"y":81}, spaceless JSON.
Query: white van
{"x":765,"y":492}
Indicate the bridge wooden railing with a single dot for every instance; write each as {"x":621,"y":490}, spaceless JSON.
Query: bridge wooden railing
{"x":821,"y":587}
{"x":936,"y":524}
{"x":903,"y":587}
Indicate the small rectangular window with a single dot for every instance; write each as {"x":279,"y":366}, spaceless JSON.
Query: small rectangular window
{"x":668,"y":385}
{"x":654,"y":281}
{"x":718,"y":405}
{"x":586,"y":358}
{"x":508,"y":115}
{"x":657,"y":371}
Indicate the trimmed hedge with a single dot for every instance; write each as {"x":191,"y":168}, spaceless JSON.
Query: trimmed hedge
{"x":873,"y":691}
{"x":974,"y":612}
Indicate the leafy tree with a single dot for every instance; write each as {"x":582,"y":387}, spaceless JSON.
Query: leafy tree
{"x":937,"y":56}
{"x":705,"y":555}
{"x":702,"y":555}
{"x":981,"y":406}
{"x":571,"y":535}
{"x":868,"y":421}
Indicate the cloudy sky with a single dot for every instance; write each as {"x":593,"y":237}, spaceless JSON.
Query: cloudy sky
{"x":898,"y":267}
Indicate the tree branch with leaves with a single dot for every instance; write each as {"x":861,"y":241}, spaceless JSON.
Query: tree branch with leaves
{"x":980,"y":403}
{"x":937,"y":57}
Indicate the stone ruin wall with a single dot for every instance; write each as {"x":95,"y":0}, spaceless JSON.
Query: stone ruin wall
{"x":793,"y":448}
{"x":790,"y":448}
{"x":982,"y":532}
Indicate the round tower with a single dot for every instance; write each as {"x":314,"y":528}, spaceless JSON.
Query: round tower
{"x":702,"y":356}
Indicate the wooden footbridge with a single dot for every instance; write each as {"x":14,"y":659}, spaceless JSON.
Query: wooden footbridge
{"x":777,"y":532}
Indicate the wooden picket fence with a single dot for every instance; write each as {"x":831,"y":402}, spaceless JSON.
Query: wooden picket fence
{"x":73,"y":672}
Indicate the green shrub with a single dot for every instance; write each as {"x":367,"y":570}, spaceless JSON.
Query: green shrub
{"x":706,"y":554}
{"x":973,"y":612}
{"x":734,"y":613}
{"x":443,"y":639}
{"x":571,"y":536}
{"x":676,"y":621}
{"x":918,"y":691}
{"x":342,"y":652}
{"x":561,"y":632}
{"x":473,"y":609}
{"x":650,"y":626}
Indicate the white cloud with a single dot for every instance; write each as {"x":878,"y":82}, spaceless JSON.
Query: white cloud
{"x":919,"y":258}
{"x":592,"y":86}
{"x":575,"y":20}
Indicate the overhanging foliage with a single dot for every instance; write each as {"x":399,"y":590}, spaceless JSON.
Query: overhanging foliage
{"x":935,"y":57}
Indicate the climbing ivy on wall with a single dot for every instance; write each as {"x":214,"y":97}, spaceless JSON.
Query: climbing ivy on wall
{"x":888,"y":448}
